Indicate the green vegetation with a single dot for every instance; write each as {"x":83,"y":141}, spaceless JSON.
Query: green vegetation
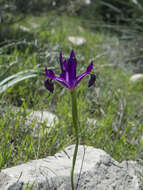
{"x":114,"y":102}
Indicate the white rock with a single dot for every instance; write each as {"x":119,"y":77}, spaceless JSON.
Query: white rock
{"x":77,"y":40}
{"x":38,"y":117}
{"x":54,"y":3}
{"x":99,"y":172}
{"x":24,"y":29}
{"x":34,"y":25}
{"x":87,"y":2}
{"x":135,"y":1}
{"x":134,"y":170}
{"x":136,"y":77}
{"x":42,"y":116}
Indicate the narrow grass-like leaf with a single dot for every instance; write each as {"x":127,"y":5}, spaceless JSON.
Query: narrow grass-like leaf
{"x":111,"y":6}
{"x":6,"y":71}
{"x":12,"y":80}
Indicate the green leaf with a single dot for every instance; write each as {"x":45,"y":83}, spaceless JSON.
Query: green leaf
{"x":20,"y":76}
{"x":111,"y":6}
{"x":5,"y":72}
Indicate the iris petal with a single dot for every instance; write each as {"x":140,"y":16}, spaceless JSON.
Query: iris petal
{"x":90,"y":67}
{"x":63,"y":74}
{"x":62,"y":81}
{"x":49,"y":85}
{"x":71,"y":69}
{"x":81,"y":76}
{"x":50,"y":73}
{"x":92,"y":80}
{"x":61,"y":61}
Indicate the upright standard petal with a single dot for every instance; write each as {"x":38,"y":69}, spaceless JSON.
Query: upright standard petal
{"x":61,"y":61}
{"x":63,"y":73}
{"x":90,"y":67}
{"x":71,"y":68}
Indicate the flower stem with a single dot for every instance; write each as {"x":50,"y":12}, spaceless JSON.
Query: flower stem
{"x":75,"y":125}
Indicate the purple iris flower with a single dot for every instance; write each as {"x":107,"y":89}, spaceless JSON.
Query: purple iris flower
{"x":68,"y":76}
